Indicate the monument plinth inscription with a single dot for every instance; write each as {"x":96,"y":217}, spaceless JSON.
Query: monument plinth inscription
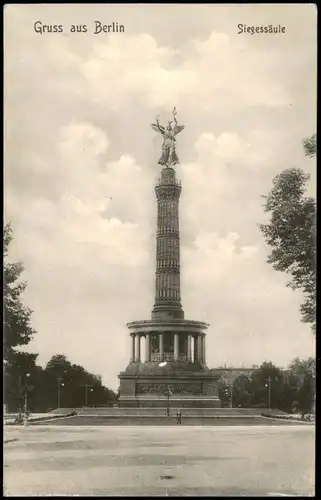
{"x":168,"y":336}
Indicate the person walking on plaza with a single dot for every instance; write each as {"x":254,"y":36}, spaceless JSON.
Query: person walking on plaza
{"x":179,"y":417}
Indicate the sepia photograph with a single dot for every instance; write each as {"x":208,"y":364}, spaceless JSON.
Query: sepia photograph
{"x":159,"y":235}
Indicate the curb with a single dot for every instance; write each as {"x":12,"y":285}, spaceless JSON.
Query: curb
{"x":35,"y":422}
{"x":289,"y":420}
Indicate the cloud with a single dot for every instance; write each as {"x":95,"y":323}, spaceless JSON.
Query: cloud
{"x":113,"y":71}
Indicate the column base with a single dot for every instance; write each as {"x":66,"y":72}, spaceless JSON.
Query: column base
{"x":167,"y":311}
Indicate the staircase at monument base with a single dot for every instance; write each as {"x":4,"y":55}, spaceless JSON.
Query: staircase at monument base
{"x":158,"y":417}
{"x":161,"y":412}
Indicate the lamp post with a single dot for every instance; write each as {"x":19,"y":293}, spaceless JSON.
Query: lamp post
{"x":168,"y":391}
{"x":25,"y":420}
{"x":20,"y":394}
{"x":5,"y":369}
{"x":59,"y":385}
{"x":269,"y":386}
{"x":313,"y":400}
{"x":226,"y":394}
{"x":87,"y":386}
{"x":91,"y":390}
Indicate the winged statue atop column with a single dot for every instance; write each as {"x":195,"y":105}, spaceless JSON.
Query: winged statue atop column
{"x":169,"y":156}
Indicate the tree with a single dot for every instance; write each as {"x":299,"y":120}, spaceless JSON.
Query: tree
{"x":242,"y":391}
{"x":17,"y":317}
{"x":17,"y":330}
{"x":267,"y":386}
{"x":310,"y":146}
{"x":305,"y":394}
{"x":19,"y":378}
{"x":291,"y":233}
{"x":58,"y":365}
{"x":303,"y":373}
{"x":70,"y":386}
{"x":302,"y":367}
{"x":224,"y":392}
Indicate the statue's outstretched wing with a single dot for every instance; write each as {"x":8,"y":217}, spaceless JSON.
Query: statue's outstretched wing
{"x":178,"y":129}
{"x":158,"y":128}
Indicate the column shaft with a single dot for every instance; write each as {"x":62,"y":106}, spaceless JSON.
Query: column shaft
{"x":137,"y":348}
{"x":199,"y":348}
{"x":176,"y":347}
{"x":189,"y":348}
{"x":147,"y":348}
{"x":195,"y":349}
{"x":161,"y":346}
{"x":204,"y":349}
{"x":133,"y":349}
{"x":167,"y":292}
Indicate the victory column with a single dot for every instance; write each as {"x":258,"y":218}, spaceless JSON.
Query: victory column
{"x":175,"y":348}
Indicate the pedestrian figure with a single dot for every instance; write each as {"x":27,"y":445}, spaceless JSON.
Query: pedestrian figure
{"x":179,"y":417}
{"x":18,"y":419}
{"x":167,"y":412}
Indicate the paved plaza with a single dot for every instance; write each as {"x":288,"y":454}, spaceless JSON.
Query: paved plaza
{"x":152,"y":461}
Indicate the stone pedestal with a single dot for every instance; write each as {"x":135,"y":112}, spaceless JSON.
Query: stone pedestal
{"x":148,"y":385}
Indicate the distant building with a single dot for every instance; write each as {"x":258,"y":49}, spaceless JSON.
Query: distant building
{"x":230,"y":374}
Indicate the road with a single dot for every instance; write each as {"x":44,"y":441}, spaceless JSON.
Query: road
{"x":153,"y":461}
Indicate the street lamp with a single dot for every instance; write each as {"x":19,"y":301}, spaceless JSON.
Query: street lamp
{"x":226,"y":394}
{"x":6,"y":365}
{"x":168,"y":391}
{"x":229,"y":394}
{"x":231,"y":387}
{"x":59,"y":384}
{"x":20,"y":393}
{"x":168,"y":394}
{"x":87,"y":386}
{"x":26,"y":402}
{"x":269,"y":386}
{"x":313,"y":401}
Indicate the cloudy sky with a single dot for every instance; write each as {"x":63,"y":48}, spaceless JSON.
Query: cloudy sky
{"x":81,"y":161}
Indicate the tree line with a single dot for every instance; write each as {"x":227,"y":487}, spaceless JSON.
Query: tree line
{"x":290,"y":390}
{"x":60,"y":384}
